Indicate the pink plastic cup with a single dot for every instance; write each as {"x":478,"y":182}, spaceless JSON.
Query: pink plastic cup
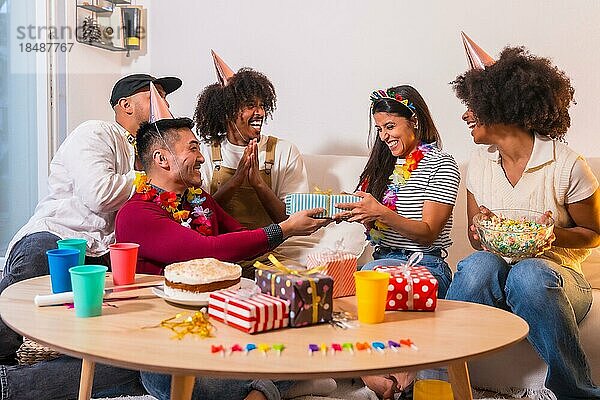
{"x":123,"y":260}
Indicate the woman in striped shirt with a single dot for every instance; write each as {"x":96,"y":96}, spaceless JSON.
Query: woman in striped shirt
{"x":408,"y":186}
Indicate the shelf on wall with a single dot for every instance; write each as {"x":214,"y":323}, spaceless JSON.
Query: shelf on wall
{"x":94,"y":8}
{"x":104,"y":46}
{"x":107,"y":14}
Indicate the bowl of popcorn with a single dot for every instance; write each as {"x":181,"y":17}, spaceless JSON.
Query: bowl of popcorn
{"x":514,"y":233}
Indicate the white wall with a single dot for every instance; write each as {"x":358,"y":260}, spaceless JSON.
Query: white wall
{"x":92,"y":72}
{"x":325,"y":57}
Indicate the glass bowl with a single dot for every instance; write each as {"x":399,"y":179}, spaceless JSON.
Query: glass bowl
{"x":514,"y":233}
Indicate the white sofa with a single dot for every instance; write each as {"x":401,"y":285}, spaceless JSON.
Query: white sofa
{"x":517,"y":370}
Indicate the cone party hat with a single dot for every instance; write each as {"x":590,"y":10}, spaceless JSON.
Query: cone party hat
{"x":158,"y":106}
{"x":476,"y":56}
{"x":224,"y":73}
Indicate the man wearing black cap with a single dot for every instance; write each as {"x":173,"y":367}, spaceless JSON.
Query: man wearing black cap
{"x":91,"y":176}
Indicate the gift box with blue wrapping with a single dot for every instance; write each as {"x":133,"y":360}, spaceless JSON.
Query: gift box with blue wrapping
{"x":305,"y":201}
{"x":310,"y":294}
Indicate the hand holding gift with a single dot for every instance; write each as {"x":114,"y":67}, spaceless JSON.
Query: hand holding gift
{"x":366,"y":210}
{"x":303,"y":223}
{"x":321,"y":199}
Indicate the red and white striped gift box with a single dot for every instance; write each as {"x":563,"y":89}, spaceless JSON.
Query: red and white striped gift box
{"x":341,"y":266}
{"x":256,"y":313}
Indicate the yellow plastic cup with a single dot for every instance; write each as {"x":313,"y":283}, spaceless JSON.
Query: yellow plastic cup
{"x":432,"y":389}
{"x":371,"y":295}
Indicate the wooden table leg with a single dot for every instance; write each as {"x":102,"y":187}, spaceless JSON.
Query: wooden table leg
{"x":87,"y":379}
{"x":182,"y":387}
{"x":459,"y":379}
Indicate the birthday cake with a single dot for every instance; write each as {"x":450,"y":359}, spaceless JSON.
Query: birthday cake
{"x":191,"y":280}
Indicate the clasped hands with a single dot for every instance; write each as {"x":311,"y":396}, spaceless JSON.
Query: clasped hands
{"x":248,"y":167}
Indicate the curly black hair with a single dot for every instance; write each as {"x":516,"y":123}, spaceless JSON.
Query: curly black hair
{"x":151,"y":135}
{"x":519,"y":89}
{"x":219,"y":105}
{"x":381,"y":161}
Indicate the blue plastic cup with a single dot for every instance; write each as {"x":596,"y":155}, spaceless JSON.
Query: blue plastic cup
{"x":79,"y":244}
{"x":59,"y":262}
{"x":88,"y":289}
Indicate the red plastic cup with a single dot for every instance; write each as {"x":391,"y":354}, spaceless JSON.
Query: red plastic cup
{"x":123,"y":260}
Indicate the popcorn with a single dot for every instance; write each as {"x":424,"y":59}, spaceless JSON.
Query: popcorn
{"x":517,"y":237}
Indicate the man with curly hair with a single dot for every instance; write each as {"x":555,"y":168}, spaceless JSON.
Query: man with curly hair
{"x":248,"y":174}
{"x":518,"y":107}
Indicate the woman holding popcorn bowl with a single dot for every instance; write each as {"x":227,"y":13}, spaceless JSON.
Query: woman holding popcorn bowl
{"x":518,"y":107}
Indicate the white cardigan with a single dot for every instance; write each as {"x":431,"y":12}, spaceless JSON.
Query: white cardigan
{"x":554,"y":176}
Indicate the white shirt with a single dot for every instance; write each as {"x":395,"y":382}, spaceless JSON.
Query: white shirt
{"x":91,"y":176}
{"x":554,"y":176}
{"x":288,"y":174}
{"x":435,"y":179}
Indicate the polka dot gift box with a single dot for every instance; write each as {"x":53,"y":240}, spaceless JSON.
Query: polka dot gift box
{"x":411,"y":288}
{"x":310,"y":296}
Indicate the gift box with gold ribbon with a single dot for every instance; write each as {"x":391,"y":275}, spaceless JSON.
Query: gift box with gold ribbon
{"x":308,"y":291}
{"x":295,"y":202}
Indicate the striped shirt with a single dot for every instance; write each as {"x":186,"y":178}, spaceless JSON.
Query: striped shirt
{"x":435,"y":179}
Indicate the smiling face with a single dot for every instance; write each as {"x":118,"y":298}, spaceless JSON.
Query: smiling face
{"x":479,"y":132}
{"x":186,"y":159}
{"x":248,"y":124}
{"x":398,"y":133}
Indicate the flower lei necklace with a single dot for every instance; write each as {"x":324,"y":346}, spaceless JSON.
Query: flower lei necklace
{"x":402,"y":173}
{"x":399,"y":176}
{"x":171,"y":202}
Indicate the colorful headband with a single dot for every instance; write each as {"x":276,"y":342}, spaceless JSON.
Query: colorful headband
{"x":390,"y":94}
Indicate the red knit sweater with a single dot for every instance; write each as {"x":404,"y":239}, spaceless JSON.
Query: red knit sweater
{"x":164,"y":241}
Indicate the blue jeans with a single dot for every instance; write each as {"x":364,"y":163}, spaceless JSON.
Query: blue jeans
{"x":59,"y":379}
{"x":434,"y":263}
{"x":159,"y":386}
{"x":551,"y":298}
{"x":27,"y":259}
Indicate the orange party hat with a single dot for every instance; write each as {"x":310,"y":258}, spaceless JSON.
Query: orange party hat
{"x":476,"y":56}
{"x":224,"y":73}
{"x":158,"y":106}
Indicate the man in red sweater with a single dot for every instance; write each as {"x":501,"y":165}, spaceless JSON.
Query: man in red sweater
{"x":174,"y":220}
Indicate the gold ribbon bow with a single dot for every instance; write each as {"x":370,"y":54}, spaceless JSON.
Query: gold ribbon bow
{"x":318,"y":190}
{"x":328,"y":192}
{"x":278,"y":267}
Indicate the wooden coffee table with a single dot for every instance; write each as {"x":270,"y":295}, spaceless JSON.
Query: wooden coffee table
{"x":453,"y":334}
